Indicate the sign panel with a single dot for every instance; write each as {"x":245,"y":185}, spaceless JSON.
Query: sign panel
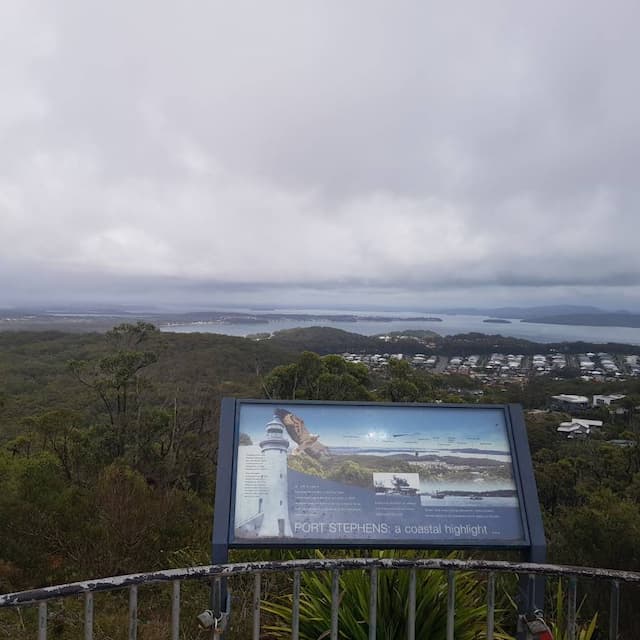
{"x":406,"y":475}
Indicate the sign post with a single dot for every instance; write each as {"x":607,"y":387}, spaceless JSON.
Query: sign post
{"x":371,"y":475}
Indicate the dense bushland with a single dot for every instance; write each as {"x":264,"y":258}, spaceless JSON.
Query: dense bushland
{"x":108,"y":449}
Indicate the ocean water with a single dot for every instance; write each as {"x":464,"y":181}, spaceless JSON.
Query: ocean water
{"x":450,"y":325}
{"x":380,"y":451}
{"x":463,"y":501}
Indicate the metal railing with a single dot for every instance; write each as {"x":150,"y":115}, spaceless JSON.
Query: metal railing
{"x":221,"y":572}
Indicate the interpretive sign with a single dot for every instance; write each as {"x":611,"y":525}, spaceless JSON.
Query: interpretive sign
{"x":374,"y":475}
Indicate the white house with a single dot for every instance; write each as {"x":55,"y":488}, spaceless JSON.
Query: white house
{"x":606,"y":400}
{"x":578,"y":428}
{"x":568,"y":401}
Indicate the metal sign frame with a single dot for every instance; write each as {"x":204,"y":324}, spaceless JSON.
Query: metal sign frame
{"x":532,"y":546}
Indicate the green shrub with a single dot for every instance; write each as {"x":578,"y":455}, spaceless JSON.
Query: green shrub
{"x":392,"y":608}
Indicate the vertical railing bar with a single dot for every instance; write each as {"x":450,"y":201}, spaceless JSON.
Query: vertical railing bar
{"x":531,"y":592}
{"x":175,"y":610}
{"x":411,"y":617}
{"x":614,"y":612}
{"x":257,"y":581}
{"x":373,"y":603}
{"x":217,"y":604}
{"x":491,"y":604}
{"x":335,"y":600}
{"x":451,"y":603}
{"x":88,"y":615}
{"x":42,"y":621}
{"x":216,"y":596}
{"x":133,"y":612}
{"x":571,"y":608}
{"x":295,"y":611}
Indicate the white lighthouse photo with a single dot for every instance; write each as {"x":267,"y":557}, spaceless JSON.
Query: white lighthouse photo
{"x":262,"y":504}
{"x":275,"y":522}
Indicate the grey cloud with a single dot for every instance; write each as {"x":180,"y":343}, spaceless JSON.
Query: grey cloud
{"x":334,"y":147}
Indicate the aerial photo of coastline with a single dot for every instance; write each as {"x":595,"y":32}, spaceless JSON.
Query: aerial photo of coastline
{"x":446,"y":456}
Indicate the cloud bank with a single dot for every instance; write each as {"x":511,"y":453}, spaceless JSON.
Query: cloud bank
{"x":414,"y":153}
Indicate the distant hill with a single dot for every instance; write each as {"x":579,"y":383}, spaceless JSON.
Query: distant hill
{"x":600,"y":319}
{"x":325,"y":340}
{"x":465,"y":344}
{"x":414,"y":333}
{"x":526,"y":312}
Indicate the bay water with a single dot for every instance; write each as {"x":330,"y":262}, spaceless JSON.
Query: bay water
{"x":450,"y":325}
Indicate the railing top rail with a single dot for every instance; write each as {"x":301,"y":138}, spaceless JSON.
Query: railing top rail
{"x":315,"y":564}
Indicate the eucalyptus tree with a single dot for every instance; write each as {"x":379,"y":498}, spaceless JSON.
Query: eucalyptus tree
{"x":116,"y":377}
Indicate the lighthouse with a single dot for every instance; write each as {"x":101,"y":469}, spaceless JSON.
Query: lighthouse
{"x":275,"y":523}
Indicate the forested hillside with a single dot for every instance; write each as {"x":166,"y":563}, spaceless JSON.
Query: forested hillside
{"x":108,"y":447}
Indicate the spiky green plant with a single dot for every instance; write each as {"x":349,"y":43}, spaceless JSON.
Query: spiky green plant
{"x":558,"y":624}
{"x":393,"y":590}
{"x":557,"y":619}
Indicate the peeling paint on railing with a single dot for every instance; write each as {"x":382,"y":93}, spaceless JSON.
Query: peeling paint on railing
{"x":243,"y":568}
{"x":218,"y":573}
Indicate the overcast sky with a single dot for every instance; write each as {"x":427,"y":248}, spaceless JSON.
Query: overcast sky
{"x":335,"y":152}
